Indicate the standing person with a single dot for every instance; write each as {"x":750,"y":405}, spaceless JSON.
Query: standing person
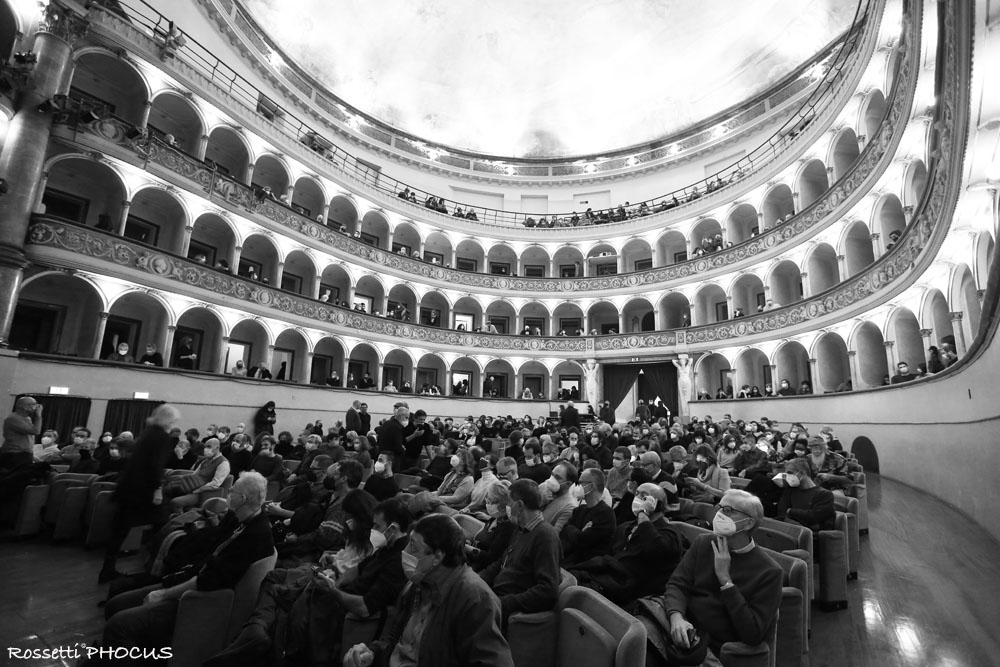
{"x":366,"y":420}
{"x":139,"y":495}
{"x":352,"y":420}
{"x":390,"y":434}
{"x":570,"y":417}
{"x":185,"y":356}
{"x":19,"y":431}
{"x":264,"y":420}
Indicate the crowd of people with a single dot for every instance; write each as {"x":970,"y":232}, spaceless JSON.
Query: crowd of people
{"x":597,"y":499}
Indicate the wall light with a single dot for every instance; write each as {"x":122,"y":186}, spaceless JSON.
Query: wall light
{"x":62,"y":391}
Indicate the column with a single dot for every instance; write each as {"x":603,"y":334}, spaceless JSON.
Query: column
{"x":385,"y":310}
{"x":684,"y":383}
{"x":220,"y":365}
{"x":249,"y":180}
{"x":861,"y":142}
{"x":269,"y":358}
{"x":388,"y":239}
{"x":102,"y":324}
{"x":552,"y":268}
{"x":316,"y":289}
{"x":42,"y":183}
{"x":585,"y":324}
{"x":958,"y":327}
{"x":775,"y":382}
{"x":454,"y":258}
{"x":234,"y":263}
{"x":852,"y":358}
{"x":202,"y":147}
{"x":448,"y":390}
{"x":146,"y":108}
{"x":621,"y":322}
{"x":806,"y":287}
{"x":278,"y":272}
{"x":729,"y":305}
{"x":326,"y":213}
{"x":186,"y":241}
{"x":814,"y":375}
{"x":377,"y":375}
{"x":928,"y":336}
{"x":734,"y":381}
{"x":696,"y":387}
{"x":289,"y":193}
{"x":553,"y":326}
{"x":517,"y":268}
{"x":980,"y":294}
{"x":306,"y":374}
{"x":795,"y":203}
{"x":343,"y":373}
{"x":890,"y":355}
{"x":657,"y":318}
{"x":760,"y":223}
{"x":168,"y":346}
{"x":123,"y":219}
{"x":842,"y":267}
{"x":877,"y":245}
{"x":621,"y":264}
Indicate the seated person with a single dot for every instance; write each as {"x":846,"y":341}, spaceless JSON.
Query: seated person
{"x":182,"y":458}
{"x":456,"y":488}
{"x":643,"y":555}
{"x":533,"y":467}
{"x":492,"y":541}
{"x":461,"y":628}
{"x":592,"y":524}
{"x":561,"y":502}
{"x":209,"y":474}
{"x":85,"y":463}
{"x":725,"y":586}
{"x":315,"y":599}
{"x":145,"y":617}
{"x":381,"y":483}
{"x":487,"y":478}
{"x":267,"y":462}
{"x":803,"y":501}
{"x":829,"y":468}
{"x":712,"y":480}
{"x":527,"y":578}
{"x":623,"y":509}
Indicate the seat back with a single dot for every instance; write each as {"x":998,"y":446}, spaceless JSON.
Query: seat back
{"x":405,"y":481}
{"x":29,"y":514}
{"x":69,"y":521}
{"x":102,"y":516}
{"x":93,"y":490}
{"x":57,"y":492}
{"x":780,"y":536}
{"x":291,"y":465}
{"x":704,"y":511}
{"x":738,"y":482}
{"x":470,"y":524}
{"x":221,"y":492}
{"x":595,"y":631}
{"x":245,"y":593}
{"x":531,"y":635}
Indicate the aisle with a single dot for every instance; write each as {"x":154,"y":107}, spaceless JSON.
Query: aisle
{"x":928,"y":592}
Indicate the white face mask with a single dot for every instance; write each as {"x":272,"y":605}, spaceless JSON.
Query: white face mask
{"x":380,"y":466}
{"x":548,"y":458}
{"x":115,"y":453}
{"x":492,"y":509}
{"x":455,"y":461}
{"x":552,"y":484}
{"x":577,"y":492}
{"x":724,"y":525}
{"x":701,"y":459}
{"x":47,"y":440}
{"x":411,"y":567}
{"x":646,"y":505}
{"x":786,"y":479}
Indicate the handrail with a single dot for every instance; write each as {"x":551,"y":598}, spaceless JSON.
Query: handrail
{"x":157,"y":26}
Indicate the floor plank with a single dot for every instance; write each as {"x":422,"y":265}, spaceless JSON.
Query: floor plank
{"x":928,"y":592}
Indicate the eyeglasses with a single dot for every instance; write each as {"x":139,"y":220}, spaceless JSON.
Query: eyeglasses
{"x":729,"y":510}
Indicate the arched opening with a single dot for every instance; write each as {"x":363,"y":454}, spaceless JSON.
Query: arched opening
{"x":845,"y":152}
{"x":299,"y":274}
{"x":791,"y":363}
{"x":874,"y":112}
{"x":135,"y":318}
{"x":212,"y":241}
{"x":710,"y":305}
{"x":858,"y":249}
{"x":748,"y":294}
{"x":437,"y":249}
{"x":742,"y":223}
{"x":984,"y":247}
{"x":968,"y":305}
{"x":778,"y":205}
{"x":375,"y":231}
{"x":637,"y":316}
{"x":569,"y":262}
{"x":84,"y":191}
{"x":916,"y":183}
{"x":113,"y":81}
{"x":56,"y":313}
{"x":713,"y":373}
{"x":812,"y":183}
{"x":637,"y":255}
{"x":290,"y":361}
{"x":498,"y":379}
{"x":469,"y":256}
{"x":435,"y":310}
{"x":671,"y":248}
{"x":501,"y":261}
{"x":568,"y":318}
{"x":402,"y":303}
{"x":785,"y":284}
{"x":602,"y":318}
{"x":172,"y":115}
{"x":906,"y":332}
{"x":335,"y":285}
{"x":466,"y":378}
{"x":156,"y":218}
{"x":397,"y":369}
{"x":535,"y":262}
{"x":229,"y":153}
{"x":468,"y":314}
{"x":565,"y":375}
{"x":706,"y":236}
{"x":675,"y":311}
{"x":873,"y":368}
{"x":502,"y":316}
{"x":8,"y":30}
{"x":328,"y":357}
{"x":832,"y":364}
{"x":270,"y":174}
{"x":937,"y":317}
{"x":533,"y":377}
{"x":822,"y":269}
{"x":535,"y":317}
{"x":369,"y":294}
{"x":259,"y":259}
{"x":753,"y":370}
{"x":343,"y":214}
{"x":406,"y":240}
{"x":362,"y":367}
{"x":890,"y":220}
{"x":204,"y":329}
{"x":248,"y":342}
{"x":433,"y":372}
{"x":308,"y":199}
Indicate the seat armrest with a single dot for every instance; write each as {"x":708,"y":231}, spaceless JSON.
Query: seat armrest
{"x":739,"y":654}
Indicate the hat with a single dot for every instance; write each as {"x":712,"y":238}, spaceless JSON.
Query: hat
{"x":827,"y":429}
{"x":649,"y":458}
{"x":817,"y":441}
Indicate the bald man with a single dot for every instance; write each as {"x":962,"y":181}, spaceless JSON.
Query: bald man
{"x":19,"y":431}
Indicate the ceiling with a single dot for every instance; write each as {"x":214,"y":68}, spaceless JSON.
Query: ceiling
{"x":548,"y":78}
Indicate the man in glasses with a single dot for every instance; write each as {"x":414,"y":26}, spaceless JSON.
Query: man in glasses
{"x":725,"y":585}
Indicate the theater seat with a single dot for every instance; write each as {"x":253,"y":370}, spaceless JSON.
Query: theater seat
{"x":69,"y":522}
{"x":29,"y":513}
{"x":102,"y":517}
{"x":593,"y":632}
{"x":531,"y":635}
{"x":738,"y":482}
{"x":208,"y":621}
{"x":849,"y":508}
{"x":470,"y":524}
{"x":57,"y":493}
{"x":406,"y":481}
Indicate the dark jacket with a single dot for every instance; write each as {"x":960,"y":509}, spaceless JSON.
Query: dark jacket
{"x":225,"y":568}
{"x":390,"y":439}
{"x":143,"y":473}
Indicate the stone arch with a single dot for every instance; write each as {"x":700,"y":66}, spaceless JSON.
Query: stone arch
{"x":888,"y":218}
{"x":503,"y":376}
{"x":602,"y":316}
{"x":821,"y":268}
{"x":375,"y":230}
{"x":290,"y":362}
{"x":468,"y":313}
{"x":535,"y":314}
{"x":914,"y":183}
{"x":405,"y":237}
{"x":747,"y":292}
{"x":705,"y":228}
{"x":157,"y":217}
{"x":432,"y":370}
{"x":229,"y":150}
{"x":435,"y":310}
{"x":784,"y":283}
{"x":502,"y":315}
{"x":57,"y":313}
{"x":501,"y":260}
{"x":397,"y":368}
{"x":335,"y":285}
{"x":469,"y":256}
{"x":83,"y":178}
{"x":778,"y":205}
{"x":566,"y":258}
{"x":343,"y":213}
{"x":710,"y":305}
{"x":675,"y":311}
{"x":904,"y":329}
{"x":810,"y":183}
{"x":465,"y":368}
{"x":753,"y":368}
{"x":533,"y":374}
{"x":249,"y":340}
{"x":214,"y":238}
{"x":637,"y":315}
{"x":204,"y":326}
{"x":791,"y":363}
{"x":270,"y":171}
{"x":259,"y":258}
{"x":872,"y":112}
{"x":844,"y":152}
{"x":833,"y":365}
{"x":964,"y":298}
{"x":328,"y":356}
{"x":402,"y":301}
{"x":936,"y":316}
{"x":437,"y":246}
{"x":637,"y":255}
{"x":535,"y":262}
{"x":742,"y":223}
{"x":136,"y":317}
{"x":983,"y":248}
{"x":364,"y":358}
{"x":309,"y":198}
{"x":370,"y":294}
{"x":572,"y":371}
{"x":298,"y":275}
{"x":868,"y":342}
{"x":671,"y":248}
{"x":11,"y":29}
{"x":712,"y":372}
{"x":568,"y":317}
{"x":113,"y":80}
{"x":857,"y":247}
{"x":176,"y":115}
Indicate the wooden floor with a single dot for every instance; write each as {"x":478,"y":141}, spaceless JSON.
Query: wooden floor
{"x":928,"y":592}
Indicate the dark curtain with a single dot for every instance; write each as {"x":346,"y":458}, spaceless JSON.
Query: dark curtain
{"x":617,"y":382}
{"x":62,"y":413}
{"x":128,"y":415}
{"x":659,"y":380}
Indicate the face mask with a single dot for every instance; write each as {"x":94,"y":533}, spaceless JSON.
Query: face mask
{"x":115,"y":453}
{"x":471,"y":442}
{"x":311,"y":446}
{"x":762,"y":447}
{"x":492,"y":509}
{"x":411,"y":567}
{"x":46,"y":441}
{"x":800,"y":452}
{"x":552,"y":484}
{"x":701,"y":459}
{"x":577,"y":492}
{"x":380,"y":466}
{"x":620,"y":463}
{"x":548,"y":458}
{"x":106,"y":438}
{"x":779,"y":479}
{"x":455,"y":461}
{"x":510,"y":516}
{"x":723,"y":525}
{"x":529,"y":460}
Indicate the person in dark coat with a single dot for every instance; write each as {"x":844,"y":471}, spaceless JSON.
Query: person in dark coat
{"x":139,"y":495}
{"x":570,"y":417}
{"x":263,"y":421}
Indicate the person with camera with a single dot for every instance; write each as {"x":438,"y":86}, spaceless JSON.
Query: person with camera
{"x":418,"y":437}
{"x":19,"y":431}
